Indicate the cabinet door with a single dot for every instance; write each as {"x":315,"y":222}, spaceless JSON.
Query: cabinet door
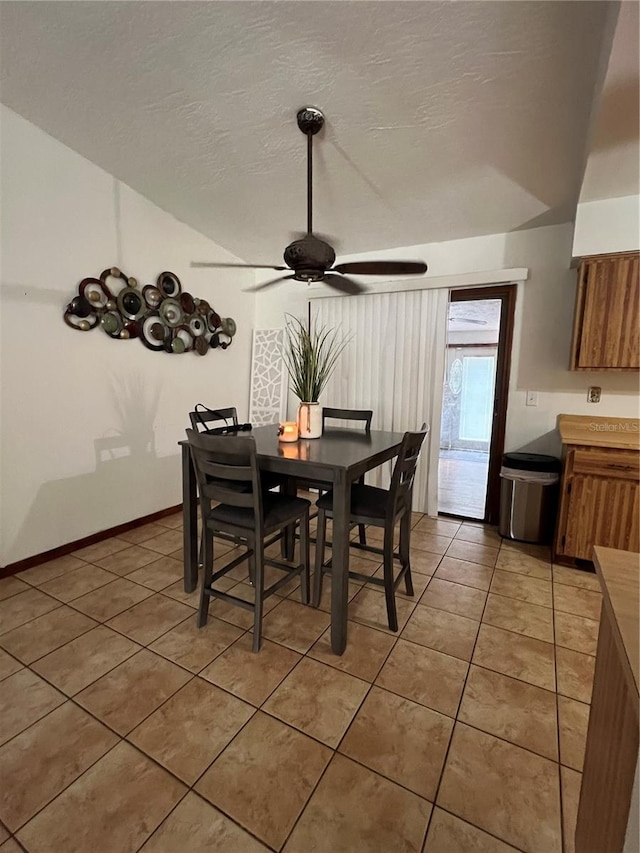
{"x":607,"y":331}
{"x":600,"y":511}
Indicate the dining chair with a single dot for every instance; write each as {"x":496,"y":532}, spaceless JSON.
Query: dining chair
{"x":228,"y":476}
{"x":379,"y":508}
{"x":201,"y":420}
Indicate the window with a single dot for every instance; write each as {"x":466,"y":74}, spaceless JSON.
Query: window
{"x":476,"y":405}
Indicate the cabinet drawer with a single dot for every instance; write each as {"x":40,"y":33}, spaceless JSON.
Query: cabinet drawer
{"x":610,"y":463}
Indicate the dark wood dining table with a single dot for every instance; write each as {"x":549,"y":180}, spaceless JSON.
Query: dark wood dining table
{"x":338,"y":458}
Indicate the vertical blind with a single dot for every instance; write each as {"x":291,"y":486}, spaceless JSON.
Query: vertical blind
{"x":394,"y":365}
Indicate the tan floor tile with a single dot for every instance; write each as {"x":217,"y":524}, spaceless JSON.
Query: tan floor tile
{"x":12,"y":585}
{"x":437,"y":527}
{"x":401,"y":740}
{"x":512,"y":710}
{"x":580,"y":602}
{"x":575,"y":674}
{"x":117,"y":787}
{"x":125,"y":696}
{"x":8,"y":665}
{"x":571,"y":782}
{"x":235,"y":614}
{"x":101,"y":549}
{"x":165,"y":543}
{"x":52,"y":569}
{"x":294,"y":625}
{"x":4,"y":833}
{"x":24,"y":699}
{"x":474,"y":553}
{"x":247,"y":675}
{"x":542,"y":552}
{"x":511,"y":654}
{"x":429,"y":542}
{"x":193,"y":647}
{"x":174,"y":521}
{"x":480,"y":535}
{"x":46,"y":633}
{"x":531,"y":590}
{"x":454,"y":635}
{"x":85,"y":659}
{"x":576,"y":577}
{"x":146,"y":621}
{"x":576,"y":632}
{"x":423,"y":562}
{"x":573,"y":718}
{"x":366,"y":651}
{"x":419,"y":583}
{"x":369,"y":608}
{"x":344,"y":814}
{"x":425,"y":676}
{"x":519,"y":796}
{"x":266,"y":755}
{"x":192,"y":728}
{"x":449,"y":834}
{"x":46,"y":758}
{"x":523,"y":564}
{"x":127,"y":560}
{"x":24,"y":607}
{"x":110,"y":600}
{"x":197,"y":827}
{"x":318,"y":699}
{"x":454,"y":598}
{"x":353,"y":588}
{"x":11,"y":846}
{"x":532,"y":620}
{"x":159,"y":574}
{"x":138,"y":535}
{"x":464,"y":572}
{"x":176,"y":591}
{"x":78,"y":582}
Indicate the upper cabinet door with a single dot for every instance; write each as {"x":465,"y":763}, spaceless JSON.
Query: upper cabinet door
{"x":607,"y":322}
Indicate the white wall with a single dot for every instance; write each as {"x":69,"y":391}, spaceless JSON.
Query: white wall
{"x":542,"y":338}
{"x":607,"y":225}
{"x":64,"y":391}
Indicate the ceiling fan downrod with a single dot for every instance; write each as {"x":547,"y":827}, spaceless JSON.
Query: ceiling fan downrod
{"x":310,"y":122}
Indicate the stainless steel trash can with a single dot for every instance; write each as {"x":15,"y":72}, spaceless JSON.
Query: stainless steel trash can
{"x":528,"y":496}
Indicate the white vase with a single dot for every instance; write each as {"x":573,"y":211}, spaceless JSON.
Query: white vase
{"x":310,"y":420}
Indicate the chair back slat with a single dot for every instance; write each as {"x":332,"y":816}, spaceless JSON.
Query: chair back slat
{"x":201,"y":419}
{"x":404,"y":470}
{"x":362,"y":415}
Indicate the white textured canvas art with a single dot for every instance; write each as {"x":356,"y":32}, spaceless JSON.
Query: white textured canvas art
{"x":268,"y":403}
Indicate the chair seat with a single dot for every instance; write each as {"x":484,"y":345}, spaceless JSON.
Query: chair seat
{"x":366,"y":501}
{"x":277,"y":509}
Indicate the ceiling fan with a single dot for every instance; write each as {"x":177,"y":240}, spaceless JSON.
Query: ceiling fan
{"x":311,"y":259}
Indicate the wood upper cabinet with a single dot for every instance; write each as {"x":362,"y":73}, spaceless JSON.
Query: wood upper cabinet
{"x":599,"y":502}
{"x":606,"y":332}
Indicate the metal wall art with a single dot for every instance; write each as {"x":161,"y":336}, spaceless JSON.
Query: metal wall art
{"x":165,"y":318}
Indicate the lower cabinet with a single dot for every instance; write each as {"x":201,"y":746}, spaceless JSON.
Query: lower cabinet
{"x":599,"y":502}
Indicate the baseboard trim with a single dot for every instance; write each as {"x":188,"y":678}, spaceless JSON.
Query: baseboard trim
{"x":63,"y":550}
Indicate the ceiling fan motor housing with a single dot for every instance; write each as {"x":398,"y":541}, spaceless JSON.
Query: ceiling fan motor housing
{"x":310,"y":258}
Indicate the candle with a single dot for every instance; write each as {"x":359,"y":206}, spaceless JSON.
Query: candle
{"x":288,"y":431}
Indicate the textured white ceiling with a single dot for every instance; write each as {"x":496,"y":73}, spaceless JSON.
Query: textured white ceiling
{"x":613,"y":167}
{"x":444,"y":119}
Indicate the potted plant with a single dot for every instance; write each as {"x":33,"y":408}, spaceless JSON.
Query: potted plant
{"x":310,"y":354}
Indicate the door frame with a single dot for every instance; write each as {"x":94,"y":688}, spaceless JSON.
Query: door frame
{"x":506,"y":293}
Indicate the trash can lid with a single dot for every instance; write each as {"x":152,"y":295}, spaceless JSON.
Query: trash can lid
{"x":531,"y":462}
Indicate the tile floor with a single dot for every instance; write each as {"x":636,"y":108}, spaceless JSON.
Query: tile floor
{"x":124,"y":727}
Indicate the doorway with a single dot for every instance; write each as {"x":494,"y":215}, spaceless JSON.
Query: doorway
{"x":480,"y":331}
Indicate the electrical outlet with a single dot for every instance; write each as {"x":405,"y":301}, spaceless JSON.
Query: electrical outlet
{"x":593,"y":395}
{"x":532,"y":398}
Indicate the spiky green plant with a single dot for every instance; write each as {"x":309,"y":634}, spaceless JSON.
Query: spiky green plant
{"x":310,"y":356}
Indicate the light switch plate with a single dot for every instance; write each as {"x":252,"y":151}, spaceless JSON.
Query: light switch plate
{"x":593,"y":395}
{"x":532,"y":398}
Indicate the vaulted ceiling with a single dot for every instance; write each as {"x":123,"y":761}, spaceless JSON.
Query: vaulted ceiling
{"x":444,"y":120}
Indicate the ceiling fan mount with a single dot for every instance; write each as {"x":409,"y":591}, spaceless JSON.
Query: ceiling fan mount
{"x":311,"y":259}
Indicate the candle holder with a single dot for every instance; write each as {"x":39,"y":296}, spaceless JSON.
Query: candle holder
{"x":288,"y":431}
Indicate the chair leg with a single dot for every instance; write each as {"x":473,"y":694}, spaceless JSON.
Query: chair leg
{"x":404,"y":550}
{"x":362,"y":536}
{"x":321,"y":532}
{"x":304,"y":558}
{"x":207,"y":572}
{"x":252,"y":567}
{"x":258,"y":588}
{"x":389,"y":591}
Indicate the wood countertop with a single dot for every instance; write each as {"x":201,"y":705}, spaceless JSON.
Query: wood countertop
{"x":619,"y":574}
{"x":621,"y":433}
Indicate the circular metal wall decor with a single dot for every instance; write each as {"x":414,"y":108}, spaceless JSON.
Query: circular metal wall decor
{"x":163,"y":316}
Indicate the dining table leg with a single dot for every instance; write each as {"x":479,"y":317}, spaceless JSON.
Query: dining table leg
{"x":340,"y":561}
{"x":189,"y":521}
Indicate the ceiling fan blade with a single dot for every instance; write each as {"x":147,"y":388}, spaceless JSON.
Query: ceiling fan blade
{"x":341,"y":282}
{"x":207,"y":265}
{"x":266,"y":283}
{"x":383,"y":268}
